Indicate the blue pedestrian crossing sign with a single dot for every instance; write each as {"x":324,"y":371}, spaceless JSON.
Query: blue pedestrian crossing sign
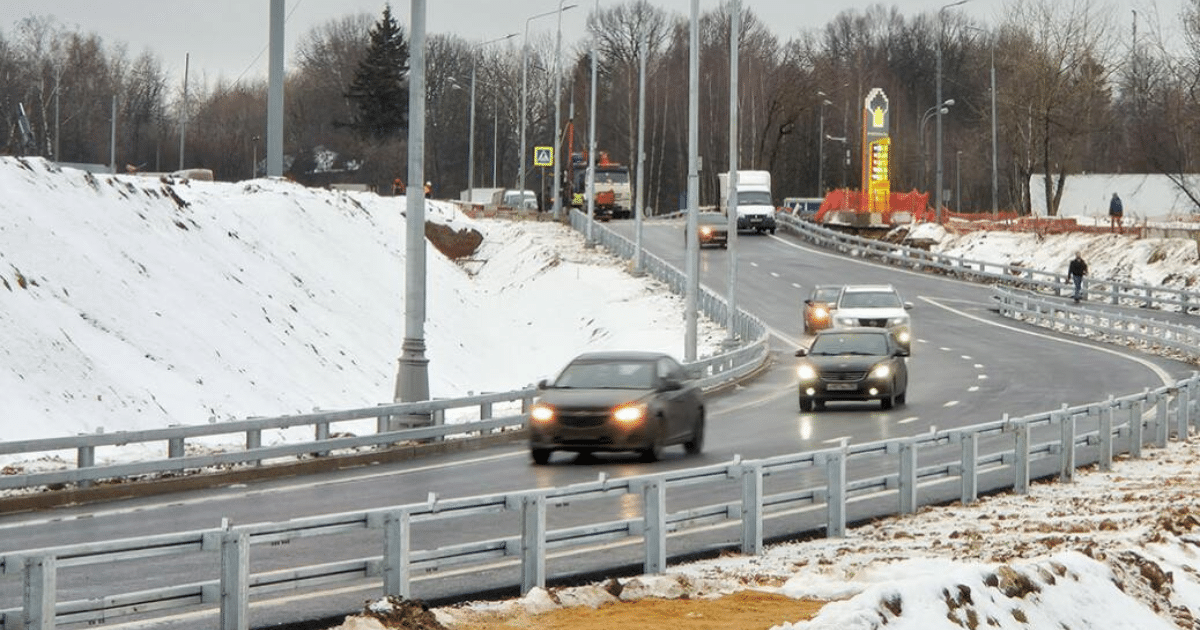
{"x":543,"y":156}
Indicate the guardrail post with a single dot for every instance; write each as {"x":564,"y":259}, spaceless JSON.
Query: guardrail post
{"x":253,"y":441}
{"x":397,"y":532}
{"x":175,"y":448}
{"x":970,"y":467}
{"x":1135,"y":426}
{"x":235,"y":581}
{"x":1183,"y":411}
{"x":1106,"y":435}
{"x":752,"y":509}
{"x":1021,"y":438}
{"x":1066,"y":465}
{"x":908,"y":477}
{"x":85,"y":457}
{"x":322,"y":435}
{"x":1162,"y":423}
{"x":654,"y":530}
{"x":835,"y":475}
{"x":533,"y":542}
{"x":41,"y":577}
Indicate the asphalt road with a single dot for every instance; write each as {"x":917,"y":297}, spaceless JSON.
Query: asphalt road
{"x":968,"y":366}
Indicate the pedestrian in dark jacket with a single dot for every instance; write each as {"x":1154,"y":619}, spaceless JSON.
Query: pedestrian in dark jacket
{"x":1116,"y":212}
{"x":1076,"y":271}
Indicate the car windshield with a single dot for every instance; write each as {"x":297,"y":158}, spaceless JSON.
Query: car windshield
{"x":869,"y":299}
{"x":869,"y":344}
{"x":607,"y":375}
{"x":754,"y":198}
{"x":826,"y":294}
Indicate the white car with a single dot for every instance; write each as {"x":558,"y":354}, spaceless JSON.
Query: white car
{"x":874,"y":305}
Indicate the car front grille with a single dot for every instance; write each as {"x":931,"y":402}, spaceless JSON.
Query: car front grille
{"x":843,"y":377}
{"x":873,"y":322}
{"x":583,"y":419}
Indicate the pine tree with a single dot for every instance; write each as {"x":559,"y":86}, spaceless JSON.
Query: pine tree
{"x":380,"y":87}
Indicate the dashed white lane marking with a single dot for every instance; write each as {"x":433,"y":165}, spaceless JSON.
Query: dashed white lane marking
{"x":967,"y":357}
{"x":973,"y":388}
{"x":950,"y":403}
{"x":837,"y":440}
{"x":983,"y":377}
{"x":774,"y":274}
{"x":908,"y":420}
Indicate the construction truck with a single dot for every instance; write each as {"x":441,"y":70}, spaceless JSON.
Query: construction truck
{"x":614,"y":197}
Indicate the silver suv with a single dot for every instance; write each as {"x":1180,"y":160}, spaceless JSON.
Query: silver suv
{"x":875,"y":305}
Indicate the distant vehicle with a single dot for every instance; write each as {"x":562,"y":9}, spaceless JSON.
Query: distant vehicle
{"x":755,"y":208}
{"x":516,"y":199}
{"x":617,"y":401}
{"x":712,"y":228}
{"x":614,"y":195}
{"x":876,"y":305}
{"x":818,"y":308}
{"x":853,"y":364}
{"x":803,"y":207}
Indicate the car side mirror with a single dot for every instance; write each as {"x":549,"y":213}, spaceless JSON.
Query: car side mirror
{"x":908,"y":306}
{"x":903,"y":352}
{"x":670,"y":384}
{"x":809,"y":302}
{"x":802,"y":352}
{"x":543,"y":384}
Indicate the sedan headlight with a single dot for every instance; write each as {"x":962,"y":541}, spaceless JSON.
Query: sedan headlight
{"x":630,"y":413}
{"x":846,"y":322}
{"x":898,"y":321}
{"x":820,"y":313}
{"x":806,"y":372}
{"x":706,"y":231}
{"x":881,"y":371}
{"x":541,"y":413}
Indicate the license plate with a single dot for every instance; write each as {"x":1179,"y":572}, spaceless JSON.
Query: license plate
{"x":841,"y":387}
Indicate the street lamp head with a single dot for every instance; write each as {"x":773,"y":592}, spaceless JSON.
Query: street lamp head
{"x":948,"y":102}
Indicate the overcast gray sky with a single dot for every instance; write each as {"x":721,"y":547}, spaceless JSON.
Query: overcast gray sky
{"x":229,"y":37}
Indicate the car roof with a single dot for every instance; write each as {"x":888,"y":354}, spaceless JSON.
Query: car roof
{"x":621,"y":355}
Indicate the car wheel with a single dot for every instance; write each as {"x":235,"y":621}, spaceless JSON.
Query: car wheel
{"x":806,"y":404}
{"x":541,"y":456}
{"x":902,"y":397}
{"x":653,"y":451}
{"x":889,"y":401}
{"x":772,"y":230}
{"x":695,"y":444}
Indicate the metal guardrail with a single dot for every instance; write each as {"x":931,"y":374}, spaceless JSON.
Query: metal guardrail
{"x":343,"y":431}
{"x":827,"y":483}
{"x":818,"y":482}
{"x":1099,"y":289}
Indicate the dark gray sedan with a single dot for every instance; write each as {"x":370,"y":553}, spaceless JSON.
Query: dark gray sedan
{"x":617,"y":401}
{"x":853,"y":364}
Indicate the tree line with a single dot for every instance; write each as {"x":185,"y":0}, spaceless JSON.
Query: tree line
{"x":1073,"y":94}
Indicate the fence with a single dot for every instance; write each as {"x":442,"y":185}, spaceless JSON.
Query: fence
{"x":1111,"y":291}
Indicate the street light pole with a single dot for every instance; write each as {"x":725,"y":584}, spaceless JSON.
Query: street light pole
{"x":995,"y":183}
{"x":938,"y":191}
{"x":524,"y":88}
{"x":471,"y":141}
{"x":558,"y":115}
{"x":821,"y":146}
{"x":942,"y":108}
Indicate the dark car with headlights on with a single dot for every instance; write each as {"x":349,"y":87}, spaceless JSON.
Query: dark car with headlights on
{"x":818,"y":308}
{"x":617,"y":401}
{"x":853,"y":364}
{"x":712,"y":229}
